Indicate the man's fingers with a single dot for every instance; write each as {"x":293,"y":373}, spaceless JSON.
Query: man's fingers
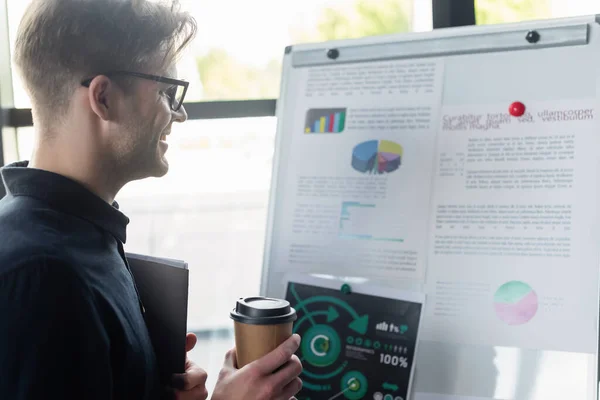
{"x":278,"y":357}
{"x":190,"y":341}
{"x":291,"y":389}
{"x":288,"y":373}
{"x":195,"y":377}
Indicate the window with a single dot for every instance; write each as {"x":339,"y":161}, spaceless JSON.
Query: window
{"x":506,"y":11}
{"x":238,"y":50}
{"x":209,"y":210}
{"x":245,"y":62}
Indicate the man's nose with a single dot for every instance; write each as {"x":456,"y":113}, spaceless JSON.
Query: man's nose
{"x":181,"y":114}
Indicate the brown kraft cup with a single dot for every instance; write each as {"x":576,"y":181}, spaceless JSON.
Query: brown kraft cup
{"x":260,"y":324}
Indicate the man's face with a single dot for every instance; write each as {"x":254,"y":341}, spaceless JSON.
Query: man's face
{"x":142,"y":139}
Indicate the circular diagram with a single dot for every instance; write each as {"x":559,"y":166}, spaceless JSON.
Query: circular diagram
{"x":321,"y":346}
{"x":515,"y":303}
{"x":354,"y":385}
{"x":326,"y":324}
{"x":351,"y":349}
{"x":377,"y":156}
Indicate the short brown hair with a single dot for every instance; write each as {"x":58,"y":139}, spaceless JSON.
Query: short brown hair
{"x":61,"y":42}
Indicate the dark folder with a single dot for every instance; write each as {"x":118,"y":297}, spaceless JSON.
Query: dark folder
{"x":162,"y":284}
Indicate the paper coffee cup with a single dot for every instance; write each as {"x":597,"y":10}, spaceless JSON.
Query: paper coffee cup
{"x":261,"y":324}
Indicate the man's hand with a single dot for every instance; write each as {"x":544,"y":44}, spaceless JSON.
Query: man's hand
{"x":190,"y":385}
{"x":273,"y":377}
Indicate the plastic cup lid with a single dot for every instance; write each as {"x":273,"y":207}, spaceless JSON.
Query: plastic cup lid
{"x":263,"y":311}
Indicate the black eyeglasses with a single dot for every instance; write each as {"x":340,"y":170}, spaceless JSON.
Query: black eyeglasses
{"x":176,"y":92}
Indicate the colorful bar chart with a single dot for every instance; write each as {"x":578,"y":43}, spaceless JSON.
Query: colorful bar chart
{"x":377,"y":157}
{"x":325,"y":120}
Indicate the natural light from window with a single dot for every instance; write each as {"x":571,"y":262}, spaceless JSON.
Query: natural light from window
{"x":211,"y":208}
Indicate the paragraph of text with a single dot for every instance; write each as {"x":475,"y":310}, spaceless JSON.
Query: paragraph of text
{"x":372,"y":79}
{"x":520,"y":179}
{"x":538,"y":217}
{"x":521,"y":149}
{"x":521,"y":246}
{"x":391,"y":118}
{"x":454,"y":299}
{"x":385,"y":261}
{"x":367,"y":187}
{"x":316,"y":219}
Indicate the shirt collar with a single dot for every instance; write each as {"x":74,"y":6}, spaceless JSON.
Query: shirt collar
{"x":64,"y":195}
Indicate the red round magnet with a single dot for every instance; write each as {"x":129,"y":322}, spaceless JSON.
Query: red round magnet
{"x":516,"y":109}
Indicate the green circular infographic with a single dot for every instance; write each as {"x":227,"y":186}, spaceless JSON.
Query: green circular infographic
{"x":354,"y":385}
{"x":321,"y":346}
{"x":355,"y":346}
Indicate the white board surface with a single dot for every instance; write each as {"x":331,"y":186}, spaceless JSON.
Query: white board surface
{"x":398,"y":164}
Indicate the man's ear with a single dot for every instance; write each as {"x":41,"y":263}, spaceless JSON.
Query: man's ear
{"x":101,"y":96}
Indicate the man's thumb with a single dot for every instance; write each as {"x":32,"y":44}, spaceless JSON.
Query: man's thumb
{"x":190,"y":341}
{"x":231,"y":359}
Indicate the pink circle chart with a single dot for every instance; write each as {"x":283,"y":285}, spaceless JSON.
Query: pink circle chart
{"x":515,"y":303}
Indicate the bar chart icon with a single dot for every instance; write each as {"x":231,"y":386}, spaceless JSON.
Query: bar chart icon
{"x":325,"y":120}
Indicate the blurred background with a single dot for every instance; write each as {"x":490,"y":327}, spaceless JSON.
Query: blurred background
{"x":211,"y":209}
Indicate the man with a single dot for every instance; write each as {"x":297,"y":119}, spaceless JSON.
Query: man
{"x":102,"y":81}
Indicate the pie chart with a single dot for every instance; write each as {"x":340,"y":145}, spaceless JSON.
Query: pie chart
{"x":516,"y":303}
{"x":377,"y":157}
